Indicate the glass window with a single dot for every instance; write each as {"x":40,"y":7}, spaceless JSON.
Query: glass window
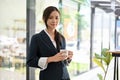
{"x":118,"y":33}
{"x":13,"y":39}
{"x":103,"y":32}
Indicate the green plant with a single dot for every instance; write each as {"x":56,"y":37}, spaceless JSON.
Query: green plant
{"x":103,"y":60}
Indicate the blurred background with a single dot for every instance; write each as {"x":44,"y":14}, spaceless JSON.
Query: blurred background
{"x":88,"y":26}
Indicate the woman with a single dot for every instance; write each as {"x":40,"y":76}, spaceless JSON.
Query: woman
{"x":45,"y":49}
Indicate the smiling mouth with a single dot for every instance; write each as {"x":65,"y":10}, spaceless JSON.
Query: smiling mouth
{"x":53,"y":24}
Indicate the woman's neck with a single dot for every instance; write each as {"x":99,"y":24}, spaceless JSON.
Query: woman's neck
{"x":50,"y":31}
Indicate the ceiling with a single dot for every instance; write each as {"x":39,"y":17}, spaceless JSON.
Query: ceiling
{"x":107,"y":5}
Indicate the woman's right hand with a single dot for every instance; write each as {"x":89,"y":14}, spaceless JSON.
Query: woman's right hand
{"x":56,"y":58}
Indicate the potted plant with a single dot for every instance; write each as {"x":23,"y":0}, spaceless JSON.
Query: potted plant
{"x":103,"y":60}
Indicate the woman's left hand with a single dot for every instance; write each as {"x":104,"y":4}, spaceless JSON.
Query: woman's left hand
{"x":70,"y":54}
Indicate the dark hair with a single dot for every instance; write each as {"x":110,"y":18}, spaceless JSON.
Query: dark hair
{"x":45,"y":17}
{"x":47,"y":13}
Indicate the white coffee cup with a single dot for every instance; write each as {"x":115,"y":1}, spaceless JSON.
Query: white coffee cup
{"x":64,"y":52}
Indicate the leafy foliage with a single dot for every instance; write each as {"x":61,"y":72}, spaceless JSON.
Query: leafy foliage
{"x":100,"y":76}
{"x":103,"y":60}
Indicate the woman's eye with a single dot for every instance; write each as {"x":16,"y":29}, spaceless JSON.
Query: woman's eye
{"x":53,"y":17}
{"x":50,"y":17}
{"x":56,"y":17}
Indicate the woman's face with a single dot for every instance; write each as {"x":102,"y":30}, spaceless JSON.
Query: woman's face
{"x":53,"y":20}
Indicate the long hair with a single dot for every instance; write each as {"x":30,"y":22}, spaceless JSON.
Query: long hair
{"x":58,"y":39}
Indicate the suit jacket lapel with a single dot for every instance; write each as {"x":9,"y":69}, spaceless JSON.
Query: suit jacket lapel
{"x":47,"y":40}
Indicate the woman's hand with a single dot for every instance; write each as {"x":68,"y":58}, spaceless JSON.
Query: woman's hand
{"x":70,"y":54}
{"x":56,"y":58}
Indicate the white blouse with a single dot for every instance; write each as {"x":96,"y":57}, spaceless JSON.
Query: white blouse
{"x":43,"y":60}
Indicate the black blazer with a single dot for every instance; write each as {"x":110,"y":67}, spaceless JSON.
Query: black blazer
{"x":41,"y":46}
